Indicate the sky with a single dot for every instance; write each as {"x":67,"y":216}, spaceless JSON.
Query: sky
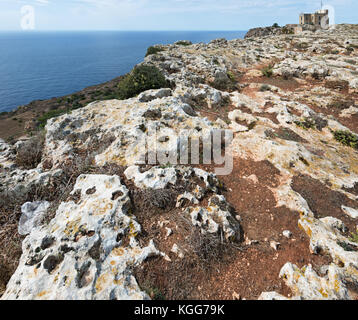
{"x":162,"y":14}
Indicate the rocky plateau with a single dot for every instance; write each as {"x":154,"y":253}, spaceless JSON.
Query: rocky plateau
{"x":92,"y":220}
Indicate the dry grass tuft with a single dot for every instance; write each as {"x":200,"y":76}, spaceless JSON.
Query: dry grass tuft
{"x":30,"y":153}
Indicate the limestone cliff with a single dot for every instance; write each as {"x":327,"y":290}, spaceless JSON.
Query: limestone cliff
{"x":281,"y":225}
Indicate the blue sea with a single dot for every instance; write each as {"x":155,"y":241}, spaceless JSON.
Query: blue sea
{"x":43,"y":65}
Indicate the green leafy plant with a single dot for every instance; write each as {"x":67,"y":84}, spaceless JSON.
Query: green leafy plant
{"x":267,"y":71}
{"x":306,"y":124}
{"x":153,"y":50}
{"x":141,"y":78}
{"x":42,"y":121}
{"x":346,"y":138}
{"x":354,"y":237}
{"x":183,"y":43}
{"x":231,"y":76}
{"x":347,"y":246}
{"x":265,"y":87}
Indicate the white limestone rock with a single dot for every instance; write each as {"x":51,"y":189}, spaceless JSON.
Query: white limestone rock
{"x":150,"y":95}
{"x":7,"y":156}
{"x":353,"y":84}
{"x":216,"y":218}
{"x":81,"y":255}
{"x":19,"y":182}
{"x":326,"y":237}
{"x":203,"y":94}
{"x":155,"y":178}
{"x":287,"y":234}
{"x":302,"y":68}
{"x":271,"y":296}
{"x":307,"y":285}
{"x":353,"y":213}
{"x":32,"y":214}
{"x":134,"y":128}
{"x":176,"y":250}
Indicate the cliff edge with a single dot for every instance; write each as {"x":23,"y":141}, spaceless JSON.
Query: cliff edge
{"x":84,"y":215}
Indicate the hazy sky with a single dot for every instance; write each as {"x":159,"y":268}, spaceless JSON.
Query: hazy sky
{"x":166,"y":14}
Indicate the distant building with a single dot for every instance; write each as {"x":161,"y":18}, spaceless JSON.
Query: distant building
{"x":315,"y":19}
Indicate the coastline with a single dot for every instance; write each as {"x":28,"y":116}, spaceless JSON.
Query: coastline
{"x":281,"y":225}
{"x":26,"y":118}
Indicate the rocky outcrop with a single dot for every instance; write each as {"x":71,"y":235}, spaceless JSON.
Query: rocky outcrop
{"x":82,"y":253}
{"x":291,"y":101}
{"x":263,"y":32}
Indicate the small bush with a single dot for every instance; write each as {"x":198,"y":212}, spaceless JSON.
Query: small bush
{"x":347,"y":246}
{"x":346,"y":138}
{"x":30,"y":153}
{"x":183,"y":43}
{"x":153,"y":293}
{"x":287,"y":31}
{"x":275,"y":25}
{"x":306,"y":124}
{"x":150,"y":200}
{"x":207,"y":248}
{"x":231,"y":76}
{"x":140,"y":79}
{"x":153,"y":50}
{"x":267,"y":71}
{"x":341,"y":104}
{"x":265,"y":87}
{"x":42,"y":121}
{"x":354,"y":237}
{"x":350,"y":61}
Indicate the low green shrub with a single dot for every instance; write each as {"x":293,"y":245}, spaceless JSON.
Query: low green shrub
{"x":231,"y":76}
{"x":267,"y":71}
{"x":306,"y":124}
{"x":287,"y":31}
{"x":346,"y":138}
{"x":153,"y":50}
{"x":265,"y":87}
{"x":354,"y":237}
{"x":183,"y":43}
{"x":49,"y":115}
{"x":141,"y":78}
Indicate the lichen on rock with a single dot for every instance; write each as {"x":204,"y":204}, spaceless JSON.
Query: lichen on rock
{"x":82,"y":253}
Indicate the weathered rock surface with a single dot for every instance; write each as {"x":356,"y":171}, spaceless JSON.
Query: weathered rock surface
{"x":117,"y":131}
{"x":263,"y":32}
{"x":295,"y":136}
{"x":81,"y":253}
{"x":6,"y":155}
{"x":32,"y":214}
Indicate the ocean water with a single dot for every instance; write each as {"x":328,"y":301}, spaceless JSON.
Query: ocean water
{"x":42,"y":65}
